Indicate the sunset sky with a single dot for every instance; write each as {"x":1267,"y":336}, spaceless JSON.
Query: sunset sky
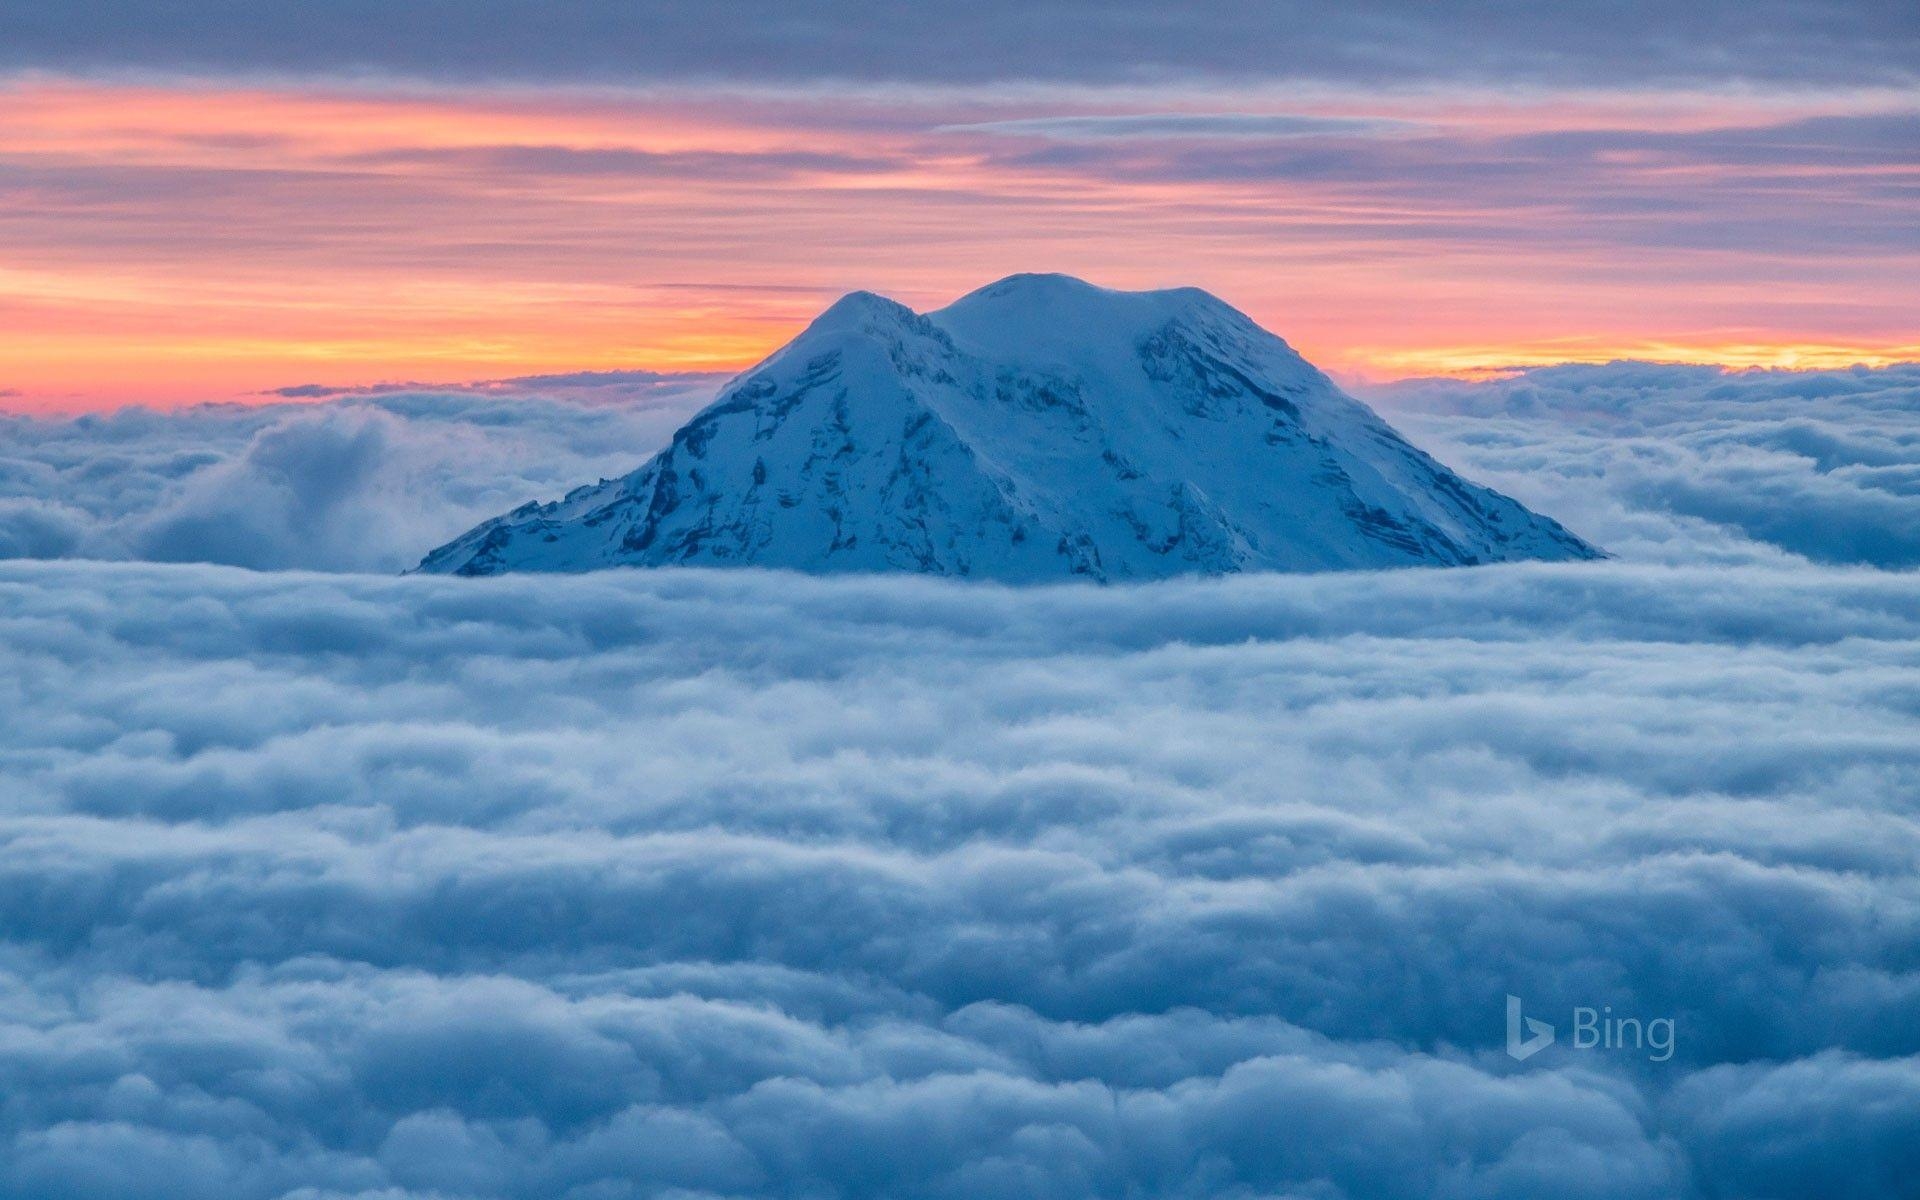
{"x":454,"y":746}
{"x":235,"y":199}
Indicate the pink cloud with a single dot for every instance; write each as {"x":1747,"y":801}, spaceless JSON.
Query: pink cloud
{"x":166,"y":243}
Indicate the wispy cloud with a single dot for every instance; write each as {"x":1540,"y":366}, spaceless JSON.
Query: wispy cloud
{"x":1189,"y":125}
{"x":166,"y":244}
{"x":631,"y":386}
{"x":1387,"y":43}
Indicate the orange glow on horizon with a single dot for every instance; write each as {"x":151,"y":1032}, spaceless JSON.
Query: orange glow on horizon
{"x":168,"y":245}
{"x":1493,"y":361}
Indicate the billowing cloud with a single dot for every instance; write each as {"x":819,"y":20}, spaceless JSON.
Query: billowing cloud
{"x":689,"y":883}
{"x":736,"y":884}
{"x":1062,"y":41}
{"x":1684,"y":463}
{"x":362,"y":481}
{"x":1654,"y":462}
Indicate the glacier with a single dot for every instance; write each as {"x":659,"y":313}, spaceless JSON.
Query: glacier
{"x":1039,"y":428}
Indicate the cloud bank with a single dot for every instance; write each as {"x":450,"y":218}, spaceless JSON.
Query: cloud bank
{"x":1677,"y":463}
{"x":1620,"y":42}
{"x":735,"y":884}
{"x":219,"y":230}
{"x":359,"y":481}
{"x":1656,"y":463}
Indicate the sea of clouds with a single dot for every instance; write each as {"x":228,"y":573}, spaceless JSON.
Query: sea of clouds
{"x":322,"y":480}
{"x":1673,"y":463}
{"x":321,"y":884}
{"x":1655,"y":462}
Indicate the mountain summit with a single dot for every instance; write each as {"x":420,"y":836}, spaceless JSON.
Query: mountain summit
{"x":1036,"y":429}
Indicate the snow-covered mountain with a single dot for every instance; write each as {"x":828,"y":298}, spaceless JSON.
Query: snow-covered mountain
{"x":1037,"y":429}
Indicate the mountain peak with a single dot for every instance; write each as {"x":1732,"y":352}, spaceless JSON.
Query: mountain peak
{"x":1069,"y":295}
{"x":1041,"y":284}
{"x":857,"y":310}
{"x":1063,"y":320}
{"x":1038,"y":428}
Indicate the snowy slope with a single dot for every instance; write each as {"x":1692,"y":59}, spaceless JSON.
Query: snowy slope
{"x":1036,"y":429}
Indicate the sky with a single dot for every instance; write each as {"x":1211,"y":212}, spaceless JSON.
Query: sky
{"x":214,"y":200}
{"x":324,"y":881}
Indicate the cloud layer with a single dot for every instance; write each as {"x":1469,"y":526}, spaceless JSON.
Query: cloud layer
{"x":1655,"y":463}
{"x":1072,"y":41}
{"x":355,"y":482}
{"x":1684,"y":464}
{"x":168,"y":241}
{"x":691,"y":884}
{"x":736,"y":884}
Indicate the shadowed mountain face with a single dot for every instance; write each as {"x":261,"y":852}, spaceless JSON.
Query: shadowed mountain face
{"x":1040,"y":428}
